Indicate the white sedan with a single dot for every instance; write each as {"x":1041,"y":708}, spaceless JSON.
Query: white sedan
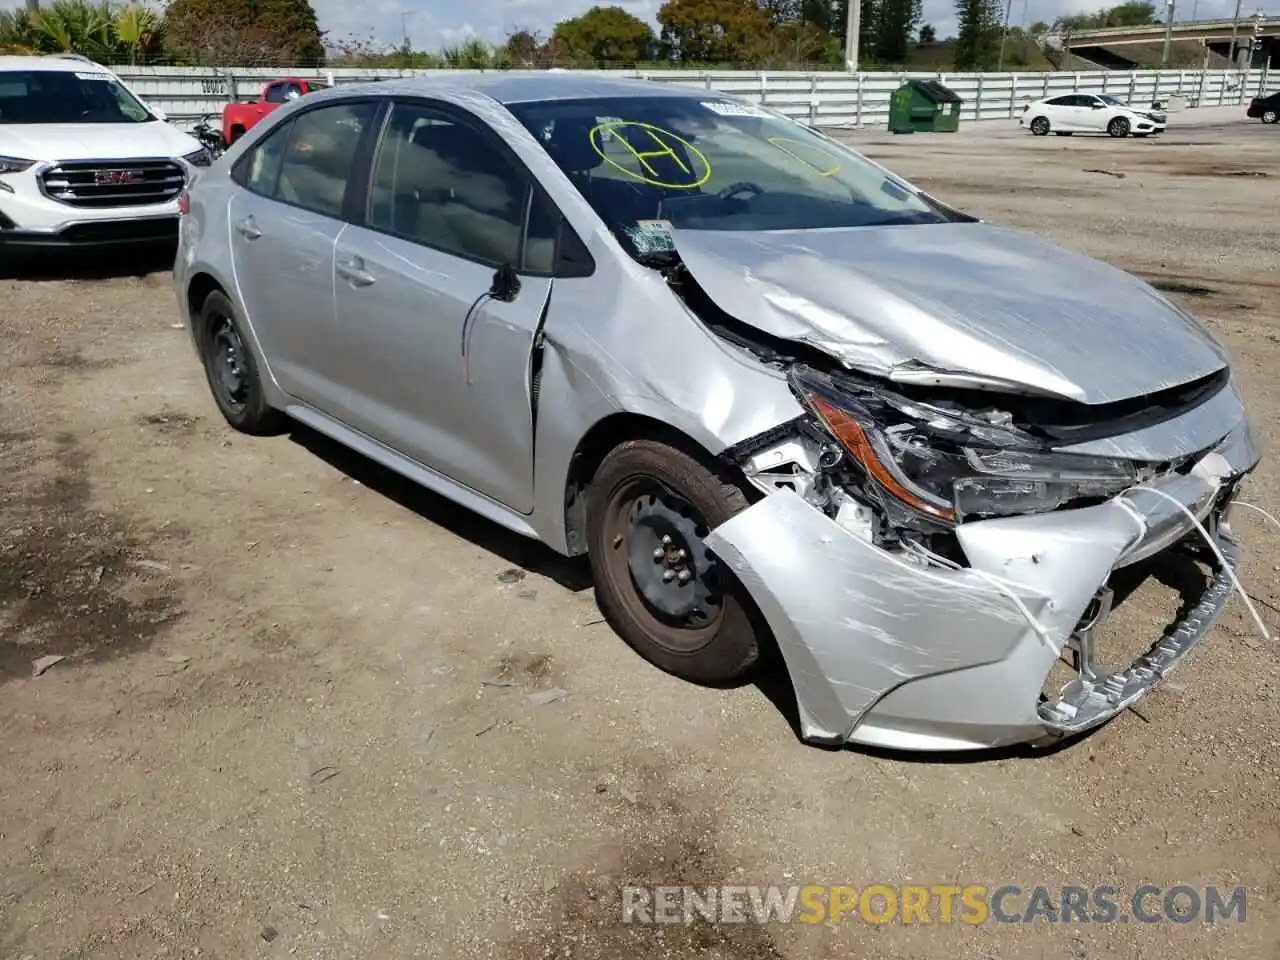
{"x":1088,"y":113}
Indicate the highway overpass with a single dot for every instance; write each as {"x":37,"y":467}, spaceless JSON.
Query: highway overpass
{"x":1107,"y":46}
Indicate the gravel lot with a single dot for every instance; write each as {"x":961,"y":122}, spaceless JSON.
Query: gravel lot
{"x":294,"y":717}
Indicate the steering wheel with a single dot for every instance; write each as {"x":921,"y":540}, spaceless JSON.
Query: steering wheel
{"x":743,"y":186}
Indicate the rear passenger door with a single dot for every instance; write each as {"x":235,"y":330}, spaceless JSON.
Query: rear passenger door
{"x":441,"y":290}
{"x":283,"y":224}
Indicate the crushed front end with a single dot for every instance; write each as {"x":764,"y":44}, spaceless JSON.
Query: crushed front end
{"x":925,"y":556}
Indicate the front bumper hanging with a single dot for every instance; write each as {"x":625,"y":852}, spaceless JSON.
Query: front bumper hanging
{"x":885,"y":651}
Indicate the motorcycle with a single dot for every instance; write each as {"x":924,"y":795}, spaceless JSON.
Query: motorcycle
{"x":207,"y":132}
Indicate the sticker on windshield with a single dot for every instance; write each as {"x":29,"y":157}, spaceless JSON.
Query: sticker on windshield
{"x":728,"y":109}
{"x":661,"y":158}
{"x":94,"y":76}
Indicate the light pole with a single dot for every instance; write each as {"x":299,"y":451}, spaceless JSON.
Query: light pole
{"x":1235,"y":30}
{"x":853,"y":26}
{"x":1168,"y":37}
{"x":1004,"y":35}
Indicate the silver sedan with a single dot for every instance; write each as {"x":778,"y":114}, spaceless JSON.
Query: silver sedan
{"x":781,"y":398}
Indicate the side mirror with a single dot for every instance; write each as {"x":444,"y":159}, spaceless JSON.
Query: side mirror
{"x":506,"y":284}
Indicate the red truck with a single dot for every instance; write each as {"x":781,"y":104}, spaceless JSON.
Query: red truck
{"x":237,"y":118}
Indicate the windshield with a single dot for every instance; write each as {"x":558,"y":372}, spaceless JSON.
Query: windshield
{"x":64,"y":96}
{"x":648,"y":163}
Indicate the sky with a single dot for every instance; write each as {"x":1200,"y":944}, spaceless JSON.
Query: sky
{"x":431,"y":24}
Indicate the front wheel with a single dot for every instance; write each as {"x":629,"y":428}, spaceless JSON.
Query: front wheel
{"x":1119,"y":127}
{"x":1040,"y":126}
{"x":1270,"y":116}
{"x":660,"y":587}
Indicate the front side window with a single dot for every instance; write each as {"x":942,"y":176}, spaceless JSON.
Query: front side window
{"x":320,"y":156}
{"x":444,"y":184}
{"x":713,"y":165}
{"x":65,"y":96}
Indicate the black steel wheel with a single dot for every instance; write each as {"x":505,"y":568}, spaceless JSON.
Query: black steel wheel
{"x":232,"y":369}
{"x":665,"y":593}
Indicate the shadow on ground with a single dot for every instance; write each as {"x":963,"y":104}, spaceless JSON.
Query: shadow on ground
{"x":47,"y":266}
{"x":572,"y":573}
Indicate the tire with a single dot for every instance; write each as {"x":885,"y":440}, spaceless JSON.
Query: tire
{"x":648,"y":504}
{"x":1040,"y":126}
{"x":1119,"y":127}
{"x":1270,"y":116}
{"x":232,"y":369}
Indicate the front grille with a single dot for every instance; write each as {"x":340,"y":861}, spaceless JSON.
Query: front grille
{"x":113,"y":183}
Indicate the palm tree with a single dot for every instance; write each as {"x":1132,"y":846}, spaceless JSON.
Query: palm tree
{"x":136,"y":29}
{"x":74,"y":26}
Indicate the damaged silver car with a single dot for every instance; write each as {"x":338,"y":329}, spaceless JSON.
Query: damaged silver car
{"x":778,"y":395}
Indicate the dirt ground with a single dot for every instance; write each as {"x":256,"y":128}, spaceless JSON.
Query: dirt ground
{"x":294,"y":716}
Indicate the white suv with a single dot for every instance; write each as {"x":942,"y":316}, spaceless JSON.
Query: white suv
{"x":83,"y":160}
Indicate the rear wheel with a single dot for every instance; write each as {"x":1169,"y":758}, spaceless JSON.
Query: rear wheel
{"x":1040,"y":126}
{"x":1270,"y":116}
{"x":232,"y":369}
{"x":666,"y":594}
{"x":1119,"y":127}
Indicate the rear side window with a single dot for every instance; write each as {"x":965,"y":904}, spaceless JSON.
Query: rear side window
{"x":320,"y":157}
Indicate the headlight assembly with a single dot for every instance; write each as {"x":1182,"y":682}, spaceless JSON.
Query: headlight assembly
{"x":951,"y":465}
{"x":14,"y":164}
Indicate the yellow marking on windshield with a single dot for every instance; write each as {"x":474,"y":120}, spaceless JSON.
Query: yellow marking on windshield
{"x":665,"y":142}
{"x":779,"y":141}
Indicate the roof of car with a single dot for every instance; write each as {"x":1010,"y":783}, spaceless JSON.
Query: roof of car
{"x":512,"y":87}
{"x":52,"y":62}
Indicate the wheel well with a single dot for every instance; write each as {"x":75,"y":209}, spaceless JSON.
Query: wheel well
{"x":595,"y":446}
{"x":198,"y":290}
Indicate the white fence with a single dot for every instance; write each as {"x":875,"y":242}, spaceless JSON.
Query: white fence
{"x":821,"y":99}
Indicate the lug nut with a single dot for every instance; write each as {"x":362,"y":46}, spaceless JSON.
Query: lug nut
{"x":667,"y":576}
{"x":681,"y":554}
{"x":685,"y":576}
{"x":666,"y":539}
{"x":659,"y":553}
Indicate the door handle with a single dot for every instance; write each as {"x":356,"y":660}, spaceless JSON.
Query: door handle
{"x":248,"y":228}
{"x":353,"y":271}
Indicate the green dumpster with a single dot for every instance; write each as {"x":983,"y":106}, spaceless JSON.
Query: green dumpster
{"x":926,"y":106}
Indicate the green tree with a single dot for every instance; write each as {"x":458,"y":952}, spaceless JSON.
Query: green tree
{"x":895,"y":23}
{"x":73,"y":26}
{"x":977,"y":45}
{"x":713,"y":31}
{"x":928,"y":35}
{"x":525,"y":48}
{"x":1132,"y":15}
{"x":604,"y":35}
{"x":244,"y":32}
{"x":138,"y":31}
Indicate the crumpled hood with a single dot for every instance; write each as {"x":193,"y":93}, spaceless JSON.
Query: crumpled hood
{"x":55,"y":142}
{"x":908,"y":302}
